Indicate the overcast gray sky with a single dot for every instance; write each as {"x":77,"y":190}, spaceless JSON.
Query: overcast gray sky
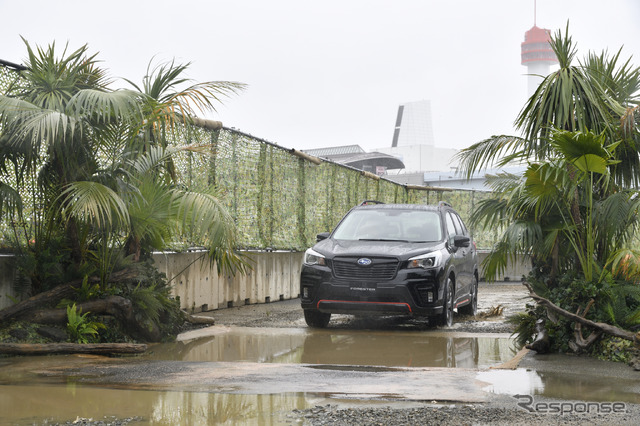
{"x":332,"y":72}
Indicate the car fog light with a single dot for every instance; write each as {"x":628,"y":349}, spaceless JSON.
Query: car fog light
{"x":305,"y":292}
{"x":430,"y":297}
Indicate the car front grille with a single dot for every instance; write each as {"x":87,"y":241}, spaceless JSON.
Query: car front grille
{"x":380,"y":269}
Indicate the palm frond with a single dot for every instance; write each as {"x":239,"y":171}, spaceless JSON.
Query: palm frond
{"x":10,"y":200}
{"x":93,"y":202}
{"x":487,"y":153}
{"x":105,"y":106}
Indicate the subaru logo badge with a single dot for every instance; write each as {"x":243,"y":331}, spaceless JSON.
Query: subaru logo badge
{"x":364,"y":261}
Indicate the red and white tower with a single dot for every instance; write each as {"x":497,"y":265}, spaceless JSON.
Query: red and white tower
{"x":537,"y":55}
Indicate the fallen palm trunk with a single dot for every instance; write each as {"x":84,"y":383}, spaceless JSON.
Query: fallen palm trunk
{"x":116,"y":306}
{"x":599,"y":326}
{"x":56,"y":294}
{"x":71,"y":348}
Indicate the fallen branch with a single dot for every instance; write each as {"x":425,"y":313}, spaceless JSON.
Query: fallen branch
{"x":580,"y":343}
{"x":116,"y":306}
{"x":58,"y":293}
{"x":602,"y":327}
{"x":71,"y":348}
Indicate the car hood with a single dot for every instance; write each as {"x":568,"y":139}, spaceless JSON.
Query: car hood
{"x":401,"y":250}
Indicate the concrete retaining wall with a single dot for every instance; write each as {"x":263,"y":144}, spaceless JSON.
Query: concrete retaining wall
{"x":275,"y":276}
{"x":7,"y":272}
{"x":514,"y":271}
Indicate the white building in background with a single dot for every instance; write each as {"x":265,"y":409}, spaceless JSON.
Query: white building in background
{"x":421,"y":158}
{"x":414,"y":125}
{"x":413,"y":143}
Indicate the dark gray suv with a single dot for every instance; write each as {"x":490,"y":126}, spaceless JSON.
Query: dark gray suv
{"x":404,"y":259}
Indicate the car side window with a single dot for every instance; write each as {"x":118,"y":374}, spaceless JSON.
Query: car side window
{"x":451,"y":228}
{"x":460,"y":223}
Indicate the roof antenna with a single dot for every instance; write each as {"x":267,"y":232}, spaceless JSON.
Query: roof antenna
{"x":535,"y":8}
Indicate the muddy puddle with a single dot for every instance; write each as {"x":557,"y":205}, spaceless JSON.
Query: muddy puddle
{"x":568,"y":385}
{"x":42,"y":390}
{"x":40,"y":405}
{"x":227,"y":375}
{"x":339,"y":347}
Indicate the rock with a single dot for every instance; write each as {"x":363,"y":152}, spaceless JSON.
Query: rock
{"x":53,"y":333}
{"x":19,"y":333}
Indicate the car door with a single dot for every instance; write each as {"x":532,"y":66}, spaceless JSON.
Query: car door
{"x":469,"y":263}
{"x":462,"y":255}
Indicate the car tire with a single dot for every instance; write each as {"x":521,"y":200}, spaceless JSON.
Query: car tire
{"x":316,"y":319}
{"x":445,"y":319}
{"x":472,"y":307}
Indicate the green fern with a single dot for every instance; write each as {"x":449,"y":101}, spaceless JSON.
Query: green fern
{"x":79,"y":327}
{"x":147,"y":301}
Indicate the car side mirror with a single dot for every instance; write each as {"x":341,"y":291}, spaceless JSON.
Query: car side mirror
{"x":461,"y":241}
{"x":322,"y":236}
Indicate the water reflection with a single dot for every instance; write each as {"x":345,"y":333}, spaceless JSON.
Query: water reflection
{"x":389,"y":350}
{"x":561,"y":385}
{"x":340,"y":347}
{"x":26,"y":405}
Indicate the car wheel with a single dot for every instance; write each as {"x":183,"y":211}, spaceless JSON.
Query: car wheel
{"x":316,"y":319}
{"x":446,"y":317}
{"x":472,"y":307}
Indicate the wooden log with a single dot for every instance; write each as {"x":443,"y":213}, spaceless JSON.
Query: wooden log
{"x":116,"y":306}
{"x":198,"y":319}
{"x":71,"y":348}
{"x":58,"y":293}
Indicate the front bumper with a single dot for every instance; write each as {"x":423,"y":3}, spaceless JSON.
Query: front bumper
{"x":415,"y":292}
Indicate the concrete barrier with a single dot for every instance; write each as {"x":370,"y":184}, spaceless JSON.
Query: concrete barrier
{"x":7,"y":274}
{"x":514,"y":270}
{"x":275,"y":276}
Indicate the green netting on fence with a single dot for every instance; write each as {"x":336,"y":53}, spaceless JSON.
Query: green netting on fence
{"x":6,"y":76}
{"x":279,"y":200}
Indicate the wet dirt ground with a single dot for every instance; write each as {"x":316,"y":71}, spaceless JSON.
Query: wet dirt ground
{"x":511,"y":296}
{"x":261,"y":364}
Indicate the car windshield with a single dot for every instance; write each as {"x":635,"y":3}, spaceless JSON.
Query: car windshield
{"x":390,"y":225}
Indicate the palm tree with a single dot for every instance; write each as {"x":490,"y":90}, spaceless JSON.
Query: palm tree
{"x":539,"y":209}
{"x":569,"y":212}
{"x":169,"y":111}
{"x":51,"y":122}
{"x":598,"y":96}
{"x":102,"y":160}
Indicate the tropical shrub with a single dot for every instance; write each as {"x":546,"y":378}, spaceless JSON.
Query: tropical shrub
{"x":80,"y":328}
{"x":574,"y":210}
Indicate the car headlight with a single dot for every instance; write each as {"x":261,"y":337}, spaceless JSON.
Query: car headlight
{"x":312,"y":257}
{"x":426,"y":261}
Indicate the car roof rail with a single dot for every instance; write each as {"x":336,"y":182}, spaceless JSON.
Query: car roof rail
{"x":444,"y":203}
{"x":367,"y":202}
